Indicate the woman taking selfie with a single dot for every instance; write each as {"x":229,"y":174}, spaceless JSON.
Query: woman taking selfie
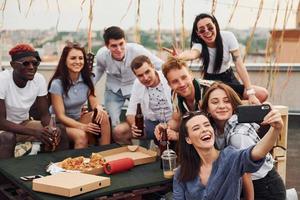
{"x":215,"y":49}
{"x":220,"y":102}
{"x":205,"y":172}
{"x":70,"y":87}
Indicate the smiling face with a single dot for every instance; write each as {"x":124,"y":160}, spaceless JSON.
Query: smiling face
{"x":117,"y":48}
{"x":181,"y":81}
{"x":146,"y":75}
{"x":75,"y":61}
{"x":200,"y":132}
{"x":219,"y":105}
{"x":206,"y":30}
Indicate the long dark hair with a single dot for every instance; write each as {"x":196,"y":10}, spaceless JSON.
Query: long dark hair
{"x":189,"y":159}
{"x":219,"y":44}
{"x":62,"y":72}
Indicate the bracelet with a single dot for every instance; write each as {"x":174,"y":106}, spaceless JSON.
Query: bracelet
{"x":250,"y":91}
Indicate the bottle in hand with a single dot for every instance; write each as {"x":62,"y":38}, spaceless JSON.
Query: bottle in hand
{"x":53,"y":129}
{"x":164,"y":141}
{"x":97,"y":137}
{"x":139,"y":119}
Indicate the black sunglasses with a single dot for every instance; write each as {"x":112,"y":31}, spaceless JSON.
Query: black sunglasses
{"x":193,"y":113}
{"x":35,"y":63}
{"x":208,"y":27}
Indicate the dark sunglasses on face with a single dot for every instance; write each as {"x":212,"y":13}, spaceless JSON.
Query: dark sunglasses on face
{"x":208,"y":28}
{"x":34,"y":63}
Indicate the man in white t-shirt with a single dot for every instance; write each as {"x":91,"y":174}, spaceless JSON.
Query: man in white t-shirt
{"x":20,"y":87}
{"x":152,"y":91}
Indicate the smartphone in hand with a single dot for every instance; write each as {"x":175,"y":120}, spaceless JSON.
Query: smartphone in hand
{"x":252,"y":113}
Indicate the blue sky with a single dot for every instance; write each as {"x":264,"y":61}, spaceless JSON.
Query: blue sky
{"x":44,"y":14}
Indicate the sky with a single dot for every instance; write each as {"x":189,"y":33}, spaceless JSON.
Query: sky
{"x":44,"y":14}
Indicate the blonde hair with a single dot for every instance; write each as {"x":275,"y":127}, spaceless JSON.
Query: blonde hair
{"x":173,"y":63}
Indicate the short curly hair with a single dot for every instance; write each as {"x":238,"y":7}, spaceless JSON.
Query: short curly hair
{"x":21,"y":48}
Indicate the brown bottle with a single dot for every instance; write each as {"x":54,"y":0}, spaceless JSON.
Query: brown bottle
{"x":53,"y":129}
{"x":97,"y":137}
{"x":163,"y":143}
{"x":139,"y":119}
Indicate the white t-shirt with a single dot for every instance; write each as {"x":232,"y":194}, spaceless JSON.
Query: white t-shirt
{"x":230,"y":44}
{"x":140,"y":94}
{"x":19,"y":100}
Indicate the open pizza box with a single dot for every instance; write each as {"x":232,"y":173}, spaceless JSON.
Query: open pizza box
{"x":69,"y":184}
{"x":138,"y":154}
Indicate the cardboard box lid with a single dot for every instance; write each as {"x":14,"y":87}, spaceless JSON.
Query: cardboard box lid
{"x":140,"y":155}
{"x":69,"y":184}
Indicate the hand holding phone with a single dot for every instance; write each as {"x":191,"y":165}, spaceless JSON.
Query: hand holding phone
{"x":252,"y":113}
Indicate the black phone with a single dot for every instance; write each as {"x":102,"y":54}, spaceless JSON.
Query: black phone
{"x":252,"y":113}
{"x":30,"y":178}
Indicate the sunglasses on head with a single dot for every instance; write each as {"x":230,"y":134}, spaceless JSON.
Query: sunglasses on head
{"x":72,"y":44}
{"x":193,"y":113}
{"x":208,"y":28}
{"x":34,"y":63}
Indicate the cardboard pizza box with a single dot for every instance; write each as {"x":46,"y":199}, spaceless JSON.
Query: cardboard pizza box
{"x":138,"y":154}
{"x":69,"y":184}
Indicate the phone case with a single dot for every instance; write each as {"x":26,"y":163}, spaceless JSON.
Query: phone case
{"x":252,"y":113}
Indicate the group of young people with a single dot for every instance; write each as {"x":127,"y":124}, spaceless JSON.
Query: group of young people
{"x":215,"y":151}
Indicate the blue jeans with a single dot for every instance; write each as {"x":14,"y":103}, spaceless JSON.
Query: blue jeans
{"x":113,"y":103}
{"x":149,"y":133}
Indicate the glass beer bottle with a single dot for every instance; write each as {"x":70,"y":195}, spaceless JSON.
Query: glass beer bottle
{"x":163,"y":143}
{"x":97,"y":137}
{"x":53,"y":129}
{"x":139,"y":119}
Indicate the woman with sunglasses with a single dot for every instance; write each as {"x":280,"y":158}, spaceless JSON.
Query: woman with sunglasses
{"x":215,"y":48}
{"x":205,"y":172}
{"x":220,"y":102}
{"x":70,"y":87}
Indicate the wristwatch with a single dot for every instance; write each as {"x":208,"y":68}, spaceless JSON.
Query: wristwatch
{"x":250,"y":91}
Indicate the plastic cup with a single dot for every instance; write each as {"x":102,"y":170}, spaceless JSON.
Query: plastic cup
{"x":169,"y":163}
